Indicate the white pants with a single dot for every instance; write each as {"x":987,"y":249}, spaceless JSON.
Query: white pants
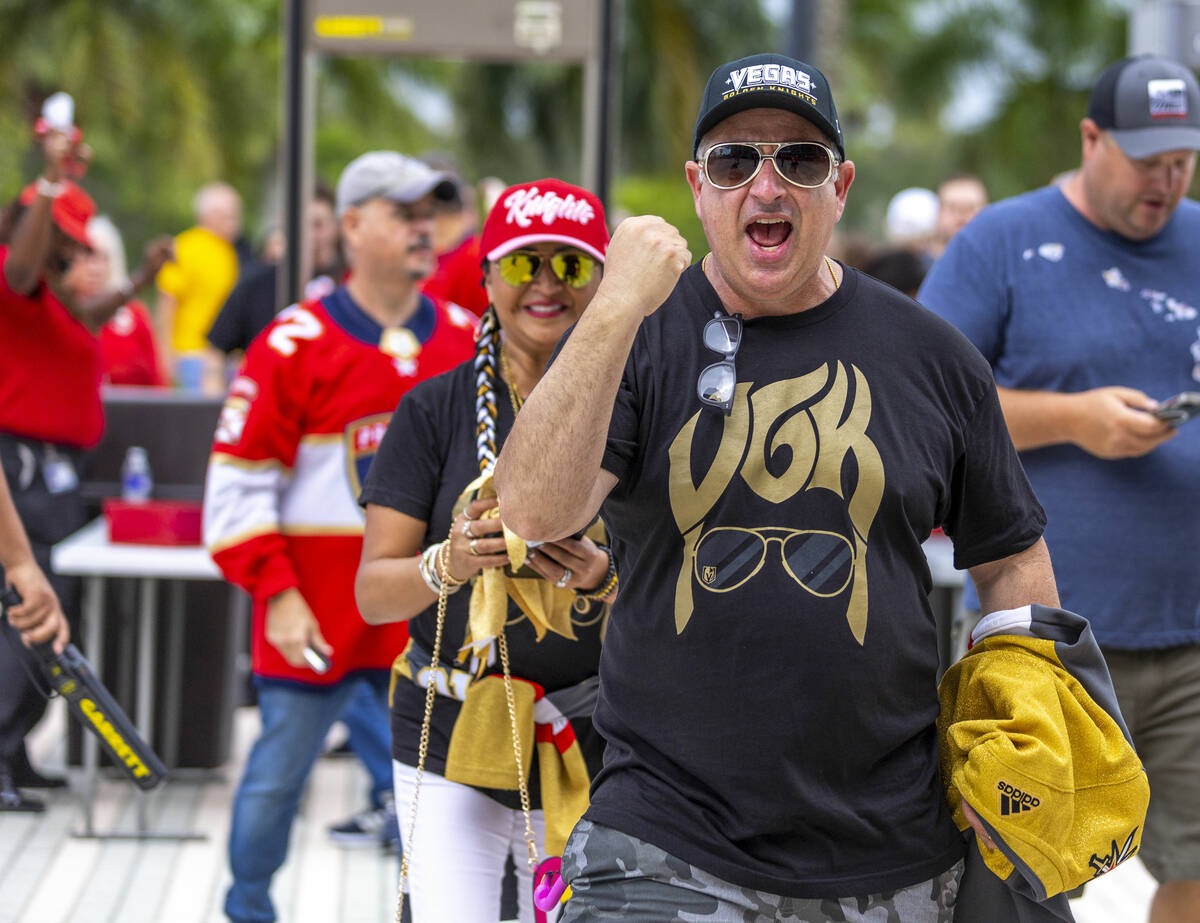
{"x":462,"y":838}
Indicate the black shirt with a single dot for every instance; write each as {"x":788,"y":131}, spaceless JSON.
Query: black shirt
{"x":247,"y":311}
{"x":426,"y":459}
{"x":768,"y":681}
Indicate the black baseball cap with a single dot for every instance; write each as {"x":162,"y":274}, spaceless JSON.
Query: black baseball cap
{"x":1148,"y":104}
{"x":768,"y":81}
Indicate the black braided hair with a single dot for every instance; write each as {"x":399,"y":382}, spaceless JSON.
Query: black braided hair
{"x":487,"y":362}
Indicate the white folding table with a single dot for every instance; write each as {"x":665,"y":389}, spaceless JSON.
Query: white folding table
{"x":90,"y":554}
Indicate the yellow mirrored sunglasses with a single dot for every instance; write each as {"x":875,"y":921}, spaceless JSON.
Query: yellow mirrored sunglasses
{"x":570,"y":267}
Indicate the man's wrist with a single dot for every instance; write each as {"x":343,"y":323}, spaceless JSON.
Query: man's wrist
{"x":617,"y":312}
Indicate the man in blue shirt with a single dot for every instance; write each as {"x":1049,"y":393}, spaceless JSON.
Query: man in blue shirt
{"x":1085,"y":298}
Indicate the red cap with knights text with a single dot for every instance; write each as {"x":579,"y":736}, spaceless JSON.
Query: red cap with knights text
{"x":544,"y":210}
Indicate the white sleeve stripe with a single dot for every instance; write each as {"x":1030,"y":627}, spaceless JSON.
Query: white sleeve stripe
{"x":321,"y":495}
{"x":316,"y":497}
{"x":239,"y":501}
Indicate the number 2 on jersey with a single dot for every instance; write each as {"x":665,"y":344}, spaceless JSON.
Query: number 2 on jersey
{"x":295,"y":323}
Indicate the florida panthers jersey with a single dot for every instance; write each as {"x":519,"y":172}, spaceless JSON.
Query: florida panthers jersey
{"x":296,"y":436}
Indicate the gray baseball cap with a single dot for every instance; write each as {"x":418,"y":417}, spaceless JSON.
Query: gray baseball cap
{"x":389,"y":175}
{"x":1148,"y":104}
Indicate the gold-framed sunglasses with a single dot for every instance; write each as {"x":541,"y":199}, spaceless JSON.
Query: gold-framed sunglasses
{"x":821,"y":562}
{"x":731,"y":164}
{"x":570,"y":267}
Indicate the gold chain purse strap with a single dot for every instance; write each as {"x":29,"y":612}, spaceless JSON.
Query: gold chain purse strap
{"x":486,"y":348}
{"x":502,"y":643}
{"x":441,"y":562}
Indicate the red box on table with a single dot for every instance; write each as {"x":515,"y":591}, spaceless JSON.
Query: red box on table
{"x":154,"y":522}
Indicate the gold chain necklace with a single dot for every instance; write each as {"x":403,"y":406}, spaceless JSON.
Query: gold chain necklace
{"x":517,"y":401}
{"x":828,"y":265}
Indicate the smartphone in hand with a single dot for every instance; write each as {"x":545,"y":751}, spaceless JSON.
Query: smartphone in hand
{"x":316,"y":660}
{"x":526,"y":570}
{"x":1179,"y":409}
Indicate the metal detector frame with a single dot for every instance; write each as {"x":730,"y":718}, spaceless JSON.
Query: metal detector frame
{"x":565,"y":30}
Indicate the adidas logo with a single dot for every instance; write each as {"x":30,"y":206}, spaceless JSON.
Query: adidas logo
{"x":1015,"y":801}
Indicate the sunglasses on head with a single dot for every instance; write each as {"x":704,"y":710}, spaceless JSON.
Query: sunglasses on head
{"x":570,"y":267}
{"x":807,"y":164}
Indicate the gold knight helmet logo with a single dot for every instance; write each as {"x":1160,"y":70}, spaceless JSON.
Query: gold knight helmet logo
{"x":821,"y":420}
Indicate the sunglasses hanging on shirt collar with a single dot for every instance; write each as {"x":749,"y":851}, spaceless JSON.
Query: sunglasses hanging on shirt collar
{"x":715,"y":386}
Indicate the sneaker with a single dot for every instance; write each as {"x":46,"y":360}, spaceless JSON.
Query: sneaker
{"x":25,"y":776}
{"x":372,"y":827}
{"x":12,"y":798}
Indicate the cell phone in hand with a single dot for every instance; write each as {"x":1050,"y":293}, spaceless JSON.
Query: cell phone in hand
{"x":526,"y":570}
{"x":318,"y":661}
{"x":1179,"y":409}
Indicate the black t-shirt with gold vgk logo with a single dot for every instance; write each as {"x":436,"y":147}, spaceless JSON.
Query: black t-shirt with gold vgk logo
{"x":768,"y":682}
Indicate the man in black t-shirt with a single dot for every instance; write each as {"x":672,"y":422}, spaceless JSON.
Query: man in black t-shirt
{"x":769,"y":437}
{"x":251,"y":305}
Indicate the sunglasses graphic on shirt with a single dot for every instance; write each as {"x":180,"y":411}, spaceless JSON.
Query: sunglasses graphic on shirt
{"x":821,"y":562}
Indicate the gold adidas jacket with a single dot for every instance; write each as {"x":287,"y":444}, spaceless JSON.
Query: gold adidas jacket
{"x":1032,"y":738}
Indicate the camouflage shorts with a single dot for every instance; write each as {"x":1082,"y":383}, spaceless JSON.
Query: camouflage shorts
{"x":614,"y":876}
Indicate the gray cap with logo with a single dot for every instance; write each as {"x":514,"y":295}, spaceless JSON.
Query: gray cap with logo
{"x":1148,"y":104}
{"x":392,"y":176}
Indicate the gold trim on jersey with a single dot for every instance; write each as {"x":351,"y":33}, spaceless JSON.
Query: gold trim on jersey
{"x":270,"y":528}
{"x":248,"y":464}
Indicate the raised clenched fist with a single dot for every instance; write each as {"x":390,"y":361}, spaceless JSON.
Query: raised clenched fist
{"x":644,"y":261}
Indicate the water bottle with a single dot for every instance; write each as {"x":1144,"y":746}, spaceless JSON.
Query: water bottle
{"x":136,"y":480}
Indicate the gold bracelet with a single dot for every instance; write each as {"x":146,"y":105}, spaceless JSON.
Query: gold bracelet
{"x":610,"y":580}
{"x":443,"y":559}
{"x":604,"y":590}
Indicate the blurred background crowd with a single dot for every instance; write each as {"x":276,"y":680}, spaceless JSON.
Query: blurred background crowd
{"x":927,"y":91}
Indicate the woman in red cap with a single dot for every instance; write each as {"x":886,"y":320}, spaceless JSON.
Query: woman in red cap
{"x":433,"y":527}
{"x":50,"y":409}
{"x":128,"y":350}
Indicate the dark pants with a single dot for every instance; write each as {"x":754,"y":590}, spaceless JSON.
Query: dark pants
{"x":48,"y":518}
{"x":615,"y":876}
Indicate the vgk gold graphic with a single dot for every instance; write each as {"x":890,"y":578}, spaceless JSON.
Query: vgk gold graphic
{"x":815,"y":418}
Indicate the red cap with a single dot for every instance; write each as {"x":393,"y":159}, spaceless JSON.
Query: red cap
{"x":71,"y":210}
{"x":546,"y":209}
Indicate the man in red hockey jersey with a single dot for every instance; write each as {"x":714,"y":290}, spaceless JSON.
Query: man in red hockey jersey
{"x":295,"y":439}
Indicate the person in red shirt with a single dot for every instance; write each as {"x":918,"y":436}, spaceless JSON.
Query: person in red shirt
{"x":456,"y":243}
{"x":293,"y":444}
{"x":128,"y":350}
{"x":50,"y":409}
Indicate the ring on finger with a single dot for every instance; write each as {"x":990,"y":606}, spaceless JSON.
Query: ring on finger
{"x":466,"y":527}
{"x":561,"y":582}
{"x":471,"y":546}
